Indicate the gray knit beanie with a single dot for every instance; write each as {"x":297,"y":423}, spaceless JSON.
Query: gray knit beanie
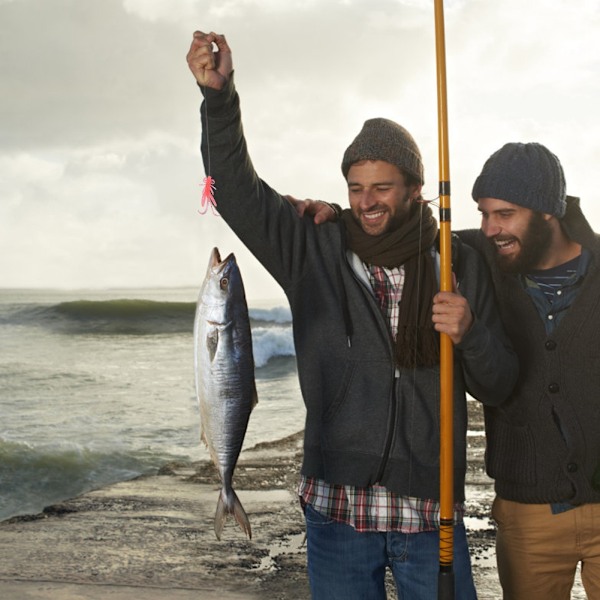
{"x":382,"y":139}
{"x":525,"y":174}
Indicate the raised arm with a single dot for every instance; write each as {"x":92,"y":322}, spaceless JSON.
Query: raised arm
{"x":261,"y":218}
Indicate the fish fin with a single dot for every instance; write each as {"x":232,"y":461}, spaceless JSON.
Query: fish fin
{"x":220,"y":516}
{"x":254,"y":396}
{"x":234,"y":507}
{"x":212,"y":341}
{"x":203,"y":437}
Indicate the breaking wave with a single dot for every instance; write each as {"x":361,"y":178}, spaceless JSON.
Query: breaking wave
{"x":271,"y":328}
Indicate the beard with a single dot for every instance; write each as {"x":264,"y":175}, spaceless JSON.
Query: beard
{"x":535,"y":242}
{"x":403,"y":212}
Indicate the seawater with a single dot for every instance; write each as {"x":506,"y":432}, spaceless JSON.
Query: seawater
{"x":98,"y":387}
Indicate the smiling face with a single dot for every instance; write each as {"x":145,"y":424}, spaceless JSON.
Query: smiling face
{"x":379,"y":198}
{"x":522,"y":238}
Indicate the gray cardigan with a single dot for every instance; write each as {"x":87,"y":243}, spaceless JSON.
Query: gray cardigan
{"x":559,"y":382}
{"x":363,"y":424}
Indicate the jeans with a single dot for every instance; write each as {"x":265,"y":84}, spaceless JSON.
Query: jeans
{"x":344,"y":564}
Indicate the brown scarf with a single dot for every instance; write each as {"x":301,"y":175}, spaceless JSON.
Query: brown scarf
{"x":416,"y":343}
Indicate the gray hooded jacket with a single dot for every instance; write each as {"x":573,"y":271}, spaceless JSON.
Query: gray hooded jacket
{"x":364,"y":423}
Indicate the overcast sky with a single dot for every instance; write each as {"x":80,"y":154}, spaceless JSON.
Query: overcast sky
{"x":100,"y":170}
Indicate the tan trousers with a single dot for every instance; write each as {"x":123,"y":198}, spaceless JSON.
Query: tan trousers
{"x":538,"y":552}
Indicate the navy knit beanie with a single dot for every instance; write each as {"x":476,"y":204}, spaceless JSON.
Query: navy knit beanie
{"x":525,"y":174}
{"x":382,"y":139}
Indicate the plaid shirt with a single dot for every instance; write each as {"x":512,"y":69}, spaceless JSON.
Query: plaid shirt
{"x":375,"y":508}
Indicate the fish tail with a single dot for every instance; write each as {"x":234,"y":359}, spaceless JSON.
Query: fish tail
{"x":229,"y":504}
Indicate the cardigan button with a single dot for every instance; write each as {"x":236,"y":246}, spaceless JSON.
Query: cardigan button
{"x":553,"y":388}
{"x":550,"y":345}
{"x":572,"y":467}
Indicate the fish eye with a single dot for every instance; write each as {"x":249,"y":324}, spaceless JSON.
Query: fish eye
{"x":224,"y":283}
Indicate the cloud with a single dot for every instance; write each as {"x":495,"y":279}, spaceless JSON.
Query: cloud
{"x":85,"y":71}
{"x":99,"y":161}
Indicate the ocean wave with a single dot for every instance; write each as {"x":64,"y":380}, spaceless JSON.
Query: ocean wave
{"x":35,"y":476}
{"x":119,"y":317}
{"x":271,"y":342}
{"x":126,"y":317}
{"x":266,"y":316}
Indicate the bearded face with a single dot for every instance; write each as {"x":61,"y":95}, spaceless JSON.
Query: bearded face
{"x":520,"y":237}
{"x":533,"y":245}
{"x":379,"y":197}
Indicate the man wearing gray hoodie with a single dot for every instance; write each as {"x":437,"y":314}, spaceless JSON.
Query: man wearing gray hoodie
{"x":366,"y":310}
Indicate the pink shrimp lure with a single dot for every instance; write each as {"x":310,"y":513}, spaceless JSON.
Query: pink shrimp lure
{"x":208,"y":196}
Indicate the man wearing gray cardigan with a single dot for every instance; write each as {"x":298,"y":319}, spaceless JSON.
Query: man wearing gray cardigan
{"x":543,"y":445}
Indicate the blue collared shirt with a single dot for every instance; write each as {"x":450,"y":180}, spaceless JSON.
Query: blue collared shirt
{"x":553,"y":309}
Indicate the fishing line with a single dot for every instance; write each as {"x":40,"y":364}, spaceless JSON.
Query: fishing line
{"x":433,"y":201}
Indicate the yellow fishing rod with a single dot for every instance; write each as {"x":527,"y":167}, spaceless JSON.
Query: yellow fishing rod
{"x":446,"y":572}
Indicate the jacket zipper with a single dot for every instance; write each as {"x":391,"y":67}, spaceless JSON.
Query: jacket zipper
{"x":392,"y":411}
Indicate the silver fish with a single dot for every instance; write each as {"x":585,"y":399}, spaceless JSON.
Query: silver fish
{"x":224,"y":369}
